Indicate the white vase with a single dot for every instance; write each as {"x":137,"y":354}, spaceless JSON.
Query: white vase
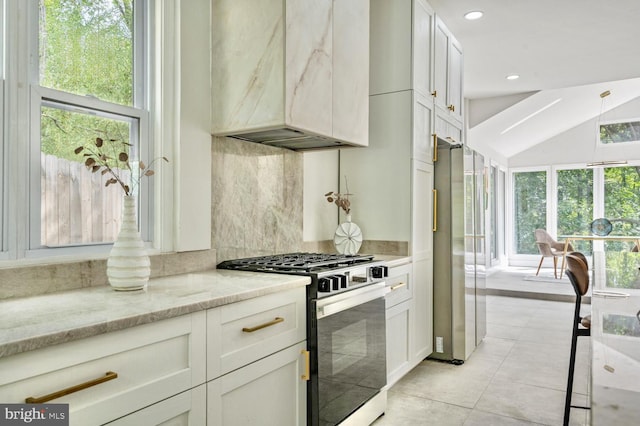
{"x":348,"y":238}
{"x":128,"y":266}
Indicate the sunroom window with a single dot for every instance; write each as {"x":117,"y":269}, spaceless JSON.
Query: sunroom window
{"x":619,"y":132}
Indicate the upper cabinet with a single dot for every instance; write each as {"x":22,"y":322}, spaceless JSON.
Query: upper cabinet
{"x":293,"y":73}
{"x":447,"y":56}
{"x":401,"y":45}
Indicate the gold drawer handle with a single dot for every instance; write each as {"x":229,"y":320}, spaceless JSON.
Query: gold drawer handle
{"x":397,"y":286}
{"x":275,"y":321}
{"x":307,"y":365}
{"x":452,"y":108}
{"x":109,"y":375}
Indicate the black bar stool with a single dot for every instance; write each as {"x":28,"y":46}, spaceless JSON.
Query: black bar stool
{"x":578,"y":273}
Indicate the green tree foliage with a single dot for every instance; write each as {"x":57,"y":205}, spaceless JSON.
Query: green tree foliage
{"x":530,"y":209}
{"x":620,"y":132}
{"x":575,"y":204}
{"x":622,"y":202}
{"x":85,"y":49}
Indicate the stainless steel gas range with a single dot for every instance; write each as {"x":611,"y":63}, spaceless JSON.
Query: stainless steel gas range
{"x":346,"y":332}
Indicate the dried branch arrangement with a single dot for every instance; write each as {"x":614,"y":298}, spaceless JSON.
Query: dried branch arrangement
{"x":110,"y":157}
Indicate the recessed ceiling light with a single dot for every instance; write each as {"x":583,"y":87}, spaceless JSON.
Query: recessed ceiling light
{"x":513,"y":77}
{"x":473,"y":15}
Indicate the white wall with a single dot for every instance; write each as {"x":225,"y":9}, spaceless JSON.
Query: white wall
{"x":578,"y":145}
{"x":321,"y":172}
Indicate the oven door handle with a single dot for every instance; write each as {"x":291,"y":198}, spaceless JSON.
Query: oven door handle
{"x":356,"y":297}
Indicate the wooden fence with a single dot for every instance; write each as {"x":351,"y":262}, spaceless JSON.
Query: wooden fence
{"x":76,"y":207}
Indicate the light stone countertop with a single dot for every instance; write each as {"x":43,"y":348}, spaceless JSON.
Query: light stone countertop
{"x":35,"y":322}
{"x":393,"y":261}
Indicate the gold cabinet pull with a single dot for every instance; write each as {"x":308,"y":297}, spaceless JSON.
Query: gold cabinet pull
{"x":452,"y":108}
{"x":109,"y":375}
{"x":307,"y":365}
{"x":435,"y":147}
{"x":434,"y":93}
{"x":435,"y":210}
{"x":397,"y":286}
{"x":274,"y":321}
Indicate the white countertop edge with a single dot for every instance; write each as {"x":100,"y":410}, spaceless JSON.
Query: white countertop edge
{"x":36,"y":322}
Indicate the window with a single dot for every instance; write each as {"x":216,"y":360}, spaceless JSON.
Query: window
{"x":75,"y":70}
{"x":575,"y":204}
{"x":91,"y":83}
{"x":619,"y":132}
{"x":622,"y":203}
{"x":529,"y":209}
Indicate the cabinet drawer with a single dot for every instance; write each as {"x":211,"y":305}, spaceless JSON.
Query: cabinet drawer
{"x":400,"y":285}
{"x":185,"y":409}
{"x":152,"y":362}
{"x":243,"y":332}
{"x":269,"y":392}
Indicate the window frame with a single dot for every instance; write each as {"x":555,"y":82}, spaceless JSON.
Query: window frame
{"x":516,"y":259}
{"x":3,"y":184}
{"x":140,"y":110}
{"x":22,"y":101}
{"x":618,"y":121}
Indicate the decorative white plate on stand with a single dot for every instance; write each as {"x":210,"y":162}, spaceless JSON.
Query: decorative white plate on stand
{"x":348,"y":238}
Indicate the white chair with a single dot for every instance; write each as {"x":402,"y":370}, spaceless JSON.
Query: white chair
{"x":549,"y":247}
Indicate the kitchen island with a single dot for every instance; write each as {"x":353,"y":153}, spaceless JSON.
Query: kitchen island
{"x":615,"y":339}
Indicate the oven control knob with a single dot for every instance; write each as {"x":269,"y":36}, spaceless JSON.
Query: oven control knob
{"x":324,"y":285}
{"x":379,"y":271}
{"x":343,"y":280}
{"x":335,"y":282}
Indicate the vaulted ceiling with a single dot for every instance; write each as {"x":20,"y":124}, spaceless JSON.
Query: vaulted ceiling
{"x":566,"y":53}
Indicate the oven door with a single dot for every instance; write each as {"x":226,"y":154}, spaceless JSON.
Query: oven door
{"x":352,"y":365}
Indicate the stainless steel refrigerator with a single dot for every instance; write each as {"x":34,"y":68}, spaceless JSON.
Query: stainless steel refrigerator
{"x":459,"y":252}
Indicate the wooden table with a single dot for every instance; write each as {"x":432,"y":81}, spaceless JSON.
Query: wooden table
{"x":569,"y":238}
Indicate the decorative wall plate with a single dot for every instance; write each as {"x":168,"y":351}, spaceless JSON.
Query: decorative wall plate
{"x":348,"y":238}
{"x":601,"y":227}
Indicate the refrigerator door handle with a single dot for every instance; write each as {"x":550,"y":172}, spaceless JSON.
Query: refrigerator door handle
{"x":435,"y":147}
{"x":435,"y":210}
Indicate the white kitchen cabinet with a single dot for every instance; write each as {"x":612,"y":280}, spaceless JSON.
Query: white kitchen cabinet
{"x":294,"y":65}
{"x":399,"y":322}
{"x":447,"y":72}
{"x":447,"y":129}
{"x":423,"y":141}
{"x":257,"y":361}
{"x":399,"y":360}
{"x":267,"y":392}
{"x":243,"y":332}
{"x":188,"y":408}
{"x":422,"y":255}
{"x":401,"y":43}
{"x":124,"y":371}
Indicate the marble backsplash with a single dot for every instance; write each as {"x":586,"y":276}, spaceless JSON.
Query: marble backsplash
{"x":30,"y":280}
{"x":256,"y":199}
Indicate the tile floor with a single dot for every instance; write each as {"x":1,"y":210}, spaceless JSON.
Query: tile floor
{"x":516,"y":376}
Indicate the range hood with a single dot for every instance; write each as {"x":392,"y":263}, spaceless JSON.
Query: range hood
{"x":293,"y":139}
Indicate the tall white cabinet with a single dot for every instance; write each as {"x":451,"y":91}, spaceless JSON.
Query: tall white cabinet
{"x":393,"y":178}
{"x":415,"y":97}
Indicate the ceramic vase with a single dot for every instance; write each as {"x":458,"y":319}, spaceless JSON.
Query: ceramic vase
{"x":348,"y":237}
{"x":128,"y":266}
